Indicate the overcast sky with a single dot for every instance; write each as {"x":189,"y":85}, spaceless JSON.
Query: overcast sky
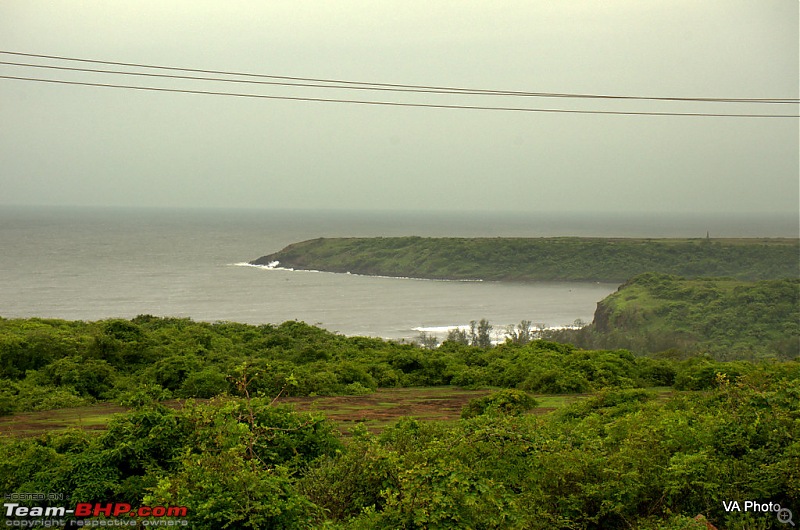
{"x":81,"y":145}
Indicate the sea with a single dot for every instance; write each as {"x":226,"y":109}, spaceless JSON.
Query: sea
{"x":99,"y":263}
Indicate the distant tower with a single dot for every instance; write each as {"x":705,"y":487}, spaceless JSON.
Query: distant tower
{"x":707,"y":235}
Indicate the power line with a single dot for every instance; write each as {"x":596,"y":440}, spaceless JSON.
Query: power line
{"x":362,"y":85}
{"x":245,"y":81}
{"x":400,"y":104}
{"x":380,"y":88}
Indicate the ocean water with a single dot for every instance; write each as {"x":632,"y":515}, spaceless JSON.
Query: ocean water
{"x":90,"y":264}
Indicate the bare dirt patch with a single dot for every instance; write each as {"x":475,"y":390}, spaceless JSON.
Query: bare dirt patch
{"x":382,"y":408}
{"x":375,"y":411}
{"x":92,"y":417}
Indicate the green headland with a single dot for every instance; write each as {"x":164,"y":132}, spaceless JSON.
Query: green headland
{"x":543,"y":259}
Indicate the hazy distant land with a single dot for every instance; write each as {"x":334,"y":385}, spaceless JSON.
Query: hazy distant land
{"x":543,"y":259}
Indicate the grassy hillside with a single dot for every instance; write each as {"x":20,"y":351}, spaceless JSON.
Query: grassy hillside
{"x":544,"y":259}
{"x":726,"y":317}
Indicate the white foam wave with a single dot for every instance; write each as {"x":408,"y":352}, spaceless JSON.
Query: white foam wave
{"x":273,"y":266}
{"x":498,"y":334}
{"x":270,"y":265}
{"x":440,"y":329}
{"x":466,"y":327}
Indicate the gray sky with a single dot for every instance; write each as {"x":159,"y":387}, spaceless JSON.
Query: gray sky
{"x":77,"y":145}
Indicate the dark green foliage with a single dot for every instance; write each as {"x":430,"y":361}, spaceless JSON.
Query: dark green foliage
{"x":88,"y":377}
{"x":34,"y":394}
{"x":231,"y":462}
{"x":352,"y":481}
{"x":655,"y":372}
{"x":609,"y":403}
{"x":205,"y":383}
{"x":199,"y":360}
{"x":171,"y":372}
{"x":235,"y":470}
{"x":624,"y":457}
{"x":33,"y":343}
{"x":508,"y":401}
{"x":702,"y":373}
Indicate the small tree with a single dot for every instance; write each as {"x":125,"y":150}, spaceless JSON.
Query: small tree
{"x":428,"y":340}
{"x":481,"y":333}
{"x":522,"y":334}
{"x":459,"y":336}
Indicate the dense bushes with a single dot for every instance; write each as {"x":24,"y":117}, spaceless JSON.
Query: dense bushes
{"x":231,"y":462}
{"x":624,"y":457}
{"x":502,"y":402}
{"x":187,"y":359}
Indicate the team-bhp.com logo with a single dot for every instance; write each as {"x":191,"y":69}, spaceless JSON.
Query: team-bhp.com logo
{"x":116,"y":509}
{"x":108,"y":514}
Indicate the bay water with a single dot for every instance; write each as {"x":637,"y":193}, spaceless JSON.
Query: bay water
{"x":99,"y":263}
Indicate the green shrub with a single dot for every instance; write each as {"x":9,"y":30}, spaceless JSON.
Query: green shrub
{"x":507,"y":402}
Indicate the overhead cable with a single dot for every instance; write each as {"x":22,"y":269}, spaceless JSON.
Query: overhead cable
{"x":400,"y":104}
{"x":363,"y":85}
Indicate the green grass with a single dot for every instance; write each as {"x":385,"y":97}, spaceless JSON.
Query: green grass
{"x":556,"y":402}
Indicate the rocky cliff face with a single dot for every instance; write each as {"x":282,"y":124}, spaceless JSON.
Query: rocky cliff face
{"x":602,"y":317}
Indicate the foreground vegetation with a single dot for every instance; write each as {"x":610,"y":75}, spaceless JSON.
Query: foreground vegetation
{"x":620,"y":459}
{"x":544,"y":259}
{"x":624,"y":456}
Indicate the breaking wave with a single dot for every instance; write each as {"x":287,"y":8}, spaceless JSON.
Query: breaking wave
{"x":274,"y":266}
